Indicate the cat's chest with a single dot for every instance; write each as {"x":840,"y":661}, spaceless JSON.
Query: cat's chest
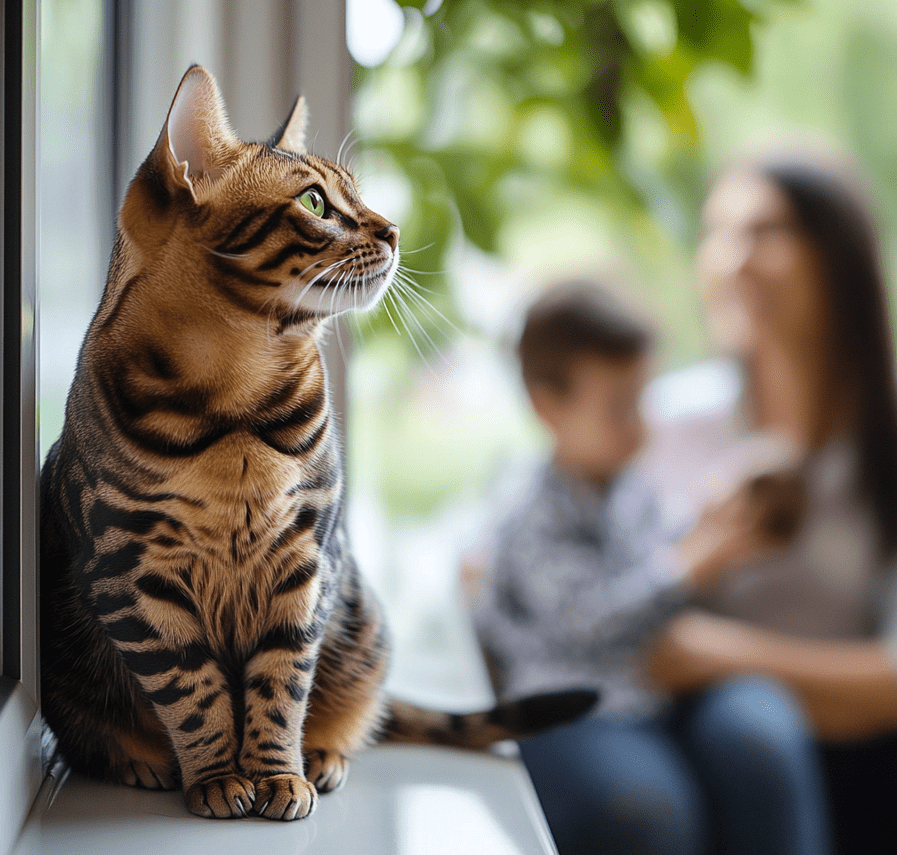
{"x":247,"y":497}
{"x":255,"y":521}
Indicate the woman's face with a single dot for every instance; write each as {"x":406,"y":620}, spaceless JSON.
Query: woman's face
{"x":761,"y":275}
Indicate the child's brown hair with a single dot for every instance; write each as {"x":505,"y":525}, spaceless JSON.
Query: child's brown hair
{"x":579,"y":317}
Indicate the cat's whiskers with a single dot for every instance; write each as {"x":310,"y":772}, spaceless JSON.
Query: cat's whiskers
{"x":405,"y":284}
{"x":358,"y":311}
{"x":339,"y":286}
{"x":355,"y":303}
{"x":405,"y":299}
{"x":272,"y":301}
{"x":409,"y":287}
{"x":298,"y":300}
{"x":345,"y":284}
{"x":330,"y":268}
{"x":230,"y":255}
{"x":419,"y":249}
{"x":322,"y":293}
{"x":368,"y":316}
{"x":400,"y":298}
{"x":393,"y":295}
{"x":343,"y":147}
{"x":385,"y":304}
{"x":421,"y":272}
{"x":332,"y":289}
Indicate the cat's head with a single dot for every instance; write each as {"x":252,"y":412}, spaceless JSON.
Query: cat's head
{"x":275,"y":230}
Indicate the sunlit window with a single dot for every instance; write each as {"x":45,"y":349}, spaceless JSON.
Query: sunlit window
{"x":75,"y":208}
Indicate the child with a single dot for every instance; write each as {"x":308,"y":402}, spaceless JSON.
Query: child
{"x":583,"y":569}
{"x":583,"y":575}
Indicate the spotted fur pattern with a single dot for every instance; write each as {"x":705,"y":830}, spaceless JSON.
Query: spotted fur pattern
{"x":203,"y":621}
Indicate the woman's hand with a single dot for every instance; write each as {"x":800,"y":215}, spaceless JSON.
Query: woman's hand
{"x":724,"y":538}
{"x":697,"y":649}
{"x":762,"y":514}
{"x":848,"y":688}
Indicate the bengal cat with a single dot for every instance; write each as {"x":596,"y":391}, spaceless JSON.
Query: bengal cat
{"x":203,"y":621}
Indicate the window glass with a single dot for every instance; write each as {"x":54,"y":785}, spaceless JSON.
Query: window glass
{"x":74,"y":207}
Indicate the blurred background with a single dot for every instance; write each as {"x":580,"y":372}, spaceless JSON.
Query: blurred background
{"x":513,"y":142}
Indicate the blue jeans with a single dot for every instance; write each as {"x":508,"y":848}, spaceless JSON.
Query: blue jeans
{"x":731,"y":770}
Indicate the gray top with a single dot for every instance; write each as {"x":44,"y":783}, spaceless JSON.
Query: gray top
{"x":581,"y":579}
{"x":831,"y":581}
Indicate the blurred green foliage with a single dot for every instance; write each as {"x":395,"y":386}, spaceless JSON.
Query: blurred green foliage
{"x":555,"y":134}
{"x":490,"y":108}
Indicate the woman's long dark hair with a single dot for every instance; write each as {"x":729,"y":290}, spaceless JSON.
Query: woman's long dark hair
{"x":834,"y":216}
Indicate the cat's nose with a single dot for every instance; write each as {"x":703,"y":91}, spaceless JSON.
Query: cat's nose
{"x":390,"y":234}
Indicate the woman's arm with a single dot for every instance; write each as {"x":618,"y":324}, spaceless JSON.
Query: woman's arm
{"x":849,"y":688}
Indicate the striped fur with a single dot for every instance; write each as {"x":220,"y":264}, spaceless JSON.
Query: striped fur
{"x":203,"y":621}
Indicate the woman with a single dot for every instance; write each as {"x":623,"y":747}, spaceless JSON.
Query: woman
{"x":789,"y":262}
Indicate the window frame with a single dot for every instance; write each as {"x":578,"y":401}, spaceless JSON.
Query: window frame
{"x":20,"y":727}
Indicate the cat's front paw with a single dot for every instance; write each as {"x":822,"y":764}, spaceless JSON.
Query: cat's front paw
{"x":285,"y":797}
{"x":327,"y":770}
{"x":150,"y":776}
{"x":227,"y":797}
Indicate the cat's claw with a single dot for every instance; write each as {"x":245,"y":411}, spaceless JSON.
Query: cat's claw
{"x":327,"y":770}
{"x":285,"y":797}
{"x":227,"y":797}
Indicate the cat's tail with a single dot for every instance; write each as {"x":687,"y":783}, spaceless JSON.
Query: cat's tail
{"x":506,"y":720}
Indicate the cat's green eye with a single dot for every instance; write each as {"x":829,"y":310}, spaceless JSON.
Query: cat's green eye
{"x":314,"y":201}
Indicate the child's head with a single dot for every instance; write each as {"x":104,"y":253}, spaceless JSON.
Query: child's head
{"x":584,"y":355}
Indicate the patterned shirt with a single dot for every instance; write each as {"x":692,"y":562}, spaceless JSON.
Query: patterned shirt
{"x":582,"y":577}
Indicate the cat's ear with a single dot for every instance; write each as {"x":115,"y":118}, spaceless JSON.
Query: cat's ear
{"x":292,"y":137}
{"x":197,"y":140}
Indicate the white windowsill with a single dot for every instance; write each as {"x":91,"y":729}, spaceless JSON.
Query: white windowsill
{"x":399,"y":801}
{"x":20,"y":766}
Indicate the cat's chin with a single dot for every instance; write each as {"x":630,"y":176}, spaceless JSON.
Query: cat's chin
{"x":328,"y":299}
{"x":377,"y":285}
{"x":374,"y":292}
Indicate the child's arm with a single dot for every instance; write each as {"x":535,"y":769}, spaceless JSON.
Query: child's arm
{"x":579,"y":594}
{"x":556,"y":594}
